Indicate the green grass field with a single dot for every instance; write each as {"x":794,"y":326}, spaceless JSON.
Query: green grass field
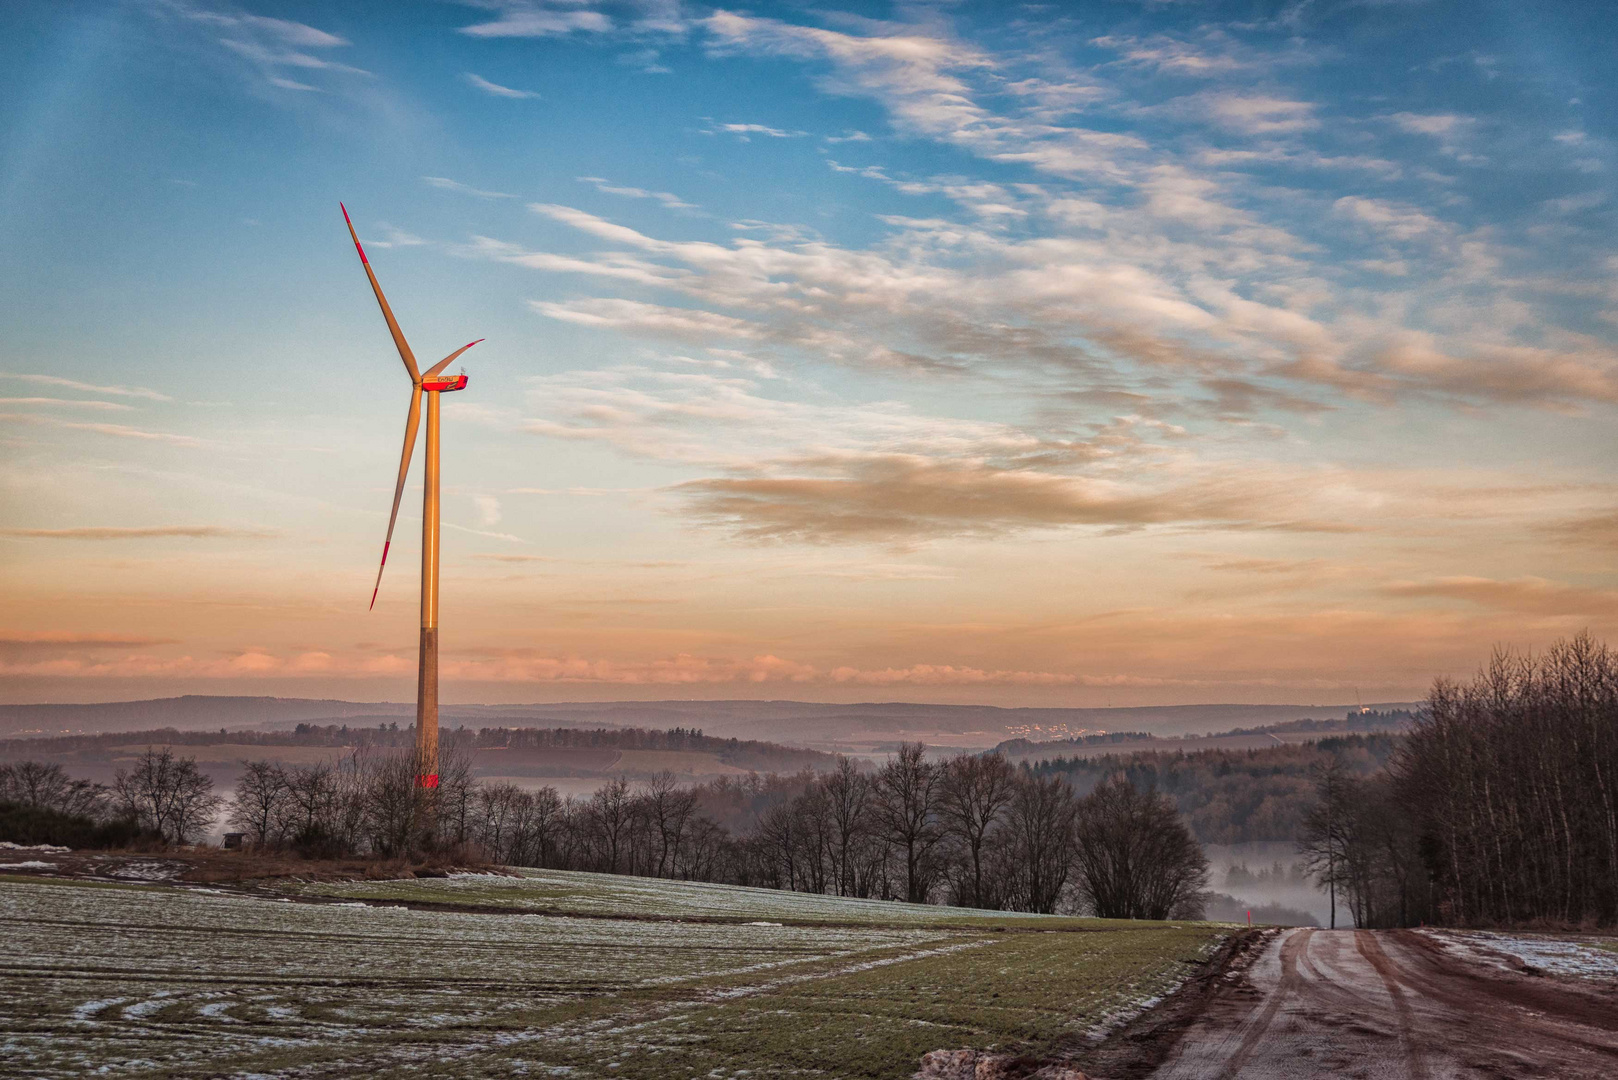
{"x":569,"y":892}
{"x":155,"y":981}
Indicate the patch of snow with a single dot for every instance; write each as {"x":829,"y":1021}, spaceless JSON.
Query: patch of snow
{"x":89,"y":1009}
{"x":47,"y":849}
{"x":1560,"y":956}
{"x":31,"y":864}
{"x":146,"y":871}
{"x":142,"y":1009}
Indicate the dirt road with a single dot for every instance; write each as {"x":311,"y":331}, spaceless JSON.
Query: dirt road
{"x":1396,"y":1004}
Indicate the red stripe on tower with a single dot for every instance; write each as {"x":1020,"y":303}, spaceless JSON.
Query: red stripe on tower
{"x":427,"y":781}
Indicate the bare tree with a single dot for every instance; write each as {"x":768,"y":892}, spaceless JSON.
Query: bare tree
{"x":499,"y":820}
{"x":263,"y":793}
{"x":779,"y":836}
{"x":451,"y":802}
{"x":669,"y":810}
{"x":1039,"y":824}
{"x":848,"y":803}
{"x":976,"y":790}
{"x":312,"y":807}
{"x":47,"y":787}
{"x":1327,"y":829}
{"x":168,"y":795}
{"x":396,"y":809}
{"x":611,"y":811}
{"x":906,"y":790}
{"x":1137,"y":859}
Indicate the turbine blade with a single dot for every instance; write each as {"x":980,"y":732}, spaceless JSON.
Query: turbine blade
{"x":412,"y":422}
{"x":444,"y":363}
{"x":405,"y":354}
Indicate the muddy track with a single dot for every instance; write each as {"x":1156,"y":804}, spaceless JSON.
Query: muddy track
{"x":1390,"y":1004}
{"x":1137,"y":1049}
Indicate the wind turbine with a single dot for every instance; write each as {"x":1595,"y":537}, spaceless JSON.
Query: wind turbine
{"x":433,"y":384}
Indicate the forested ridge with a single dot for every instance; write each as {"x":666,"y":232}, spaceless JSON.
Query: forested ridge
{"x":742,"y":753}
{"x":1233,"y":796}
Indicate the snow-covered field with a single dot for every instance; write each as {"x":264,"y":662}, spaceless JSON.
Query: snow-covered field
{"x":1589,"y":958}
{"x":577,"y":893}
{"x":153,"y":980}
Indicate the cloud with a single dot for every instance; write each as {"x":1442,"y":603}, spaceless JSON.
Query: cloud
{"x":495,"y":89}
{"x":272,"y":58}
{"x":507,"y":537}
{"x":102,"y":406}
{"x":1255,"y":114}
{"x":1434,"y":125}
{"x":948,"y":675}
{"x":1072,"y":304}
{"x":89,"y":388}
{"x":488,"y":508}
{"x":1527,"y":595}
{"x":646,"y":60}
{"x":520,"y":18}
{"x":283,"y":30}
{"x":745,"y":131}
{"x":518,"y":558}
{"x":1267,"y":566}
{"x":673,"y":202}
{"x":118,"y":430}
{"x":396,"y":237}
{"x":34,"y":642}
{"x":1172,"y":56}
{"x":1512,"y":374}
{"x":678,"y":324}
{"x":1394,"y":220}
{"x":897,"y":498}
{"x":1450,"y":130}
{"x":295,"y":33}
{"x":1590,"y":530}
{"x":265,"y":52}
{"x":446,"y":184}
{"x":508,"y":665}
{"x":141,"y":532}
{"x":914,"y":73}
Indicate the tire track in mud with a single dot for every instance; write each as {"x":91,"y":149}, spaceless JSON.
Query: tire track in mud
{"x":1291,"y":949}
{"x":1388,"y":1004}
{"x":1366,"y":943}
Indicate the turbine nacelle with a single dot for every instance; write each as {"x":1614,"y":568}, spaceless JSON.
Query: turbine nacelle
{"x":444,"y":384}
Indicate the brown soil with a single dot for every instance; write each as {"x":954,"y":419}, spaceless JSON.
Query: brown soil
{"x":1395,"y":1004}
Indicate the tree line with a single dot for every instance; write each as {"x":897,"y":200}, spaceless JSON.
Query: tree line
{"x":161,"y":800}
{"x":973,"y":830}
{"x":1499,"y":807}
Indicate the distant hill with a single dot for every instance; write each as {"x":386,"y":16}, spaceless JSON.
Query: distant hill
{"x":1290,"y":732}
{"x":530,"y":757}
{"x":852,"y":728}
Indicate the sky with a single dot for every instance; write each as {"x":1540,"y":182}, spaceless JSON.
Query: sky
{"x":1046,"y":354}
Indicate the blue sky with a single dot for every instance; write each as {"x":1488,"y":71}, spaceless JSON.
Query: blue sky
{"x":1062,"y":353}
